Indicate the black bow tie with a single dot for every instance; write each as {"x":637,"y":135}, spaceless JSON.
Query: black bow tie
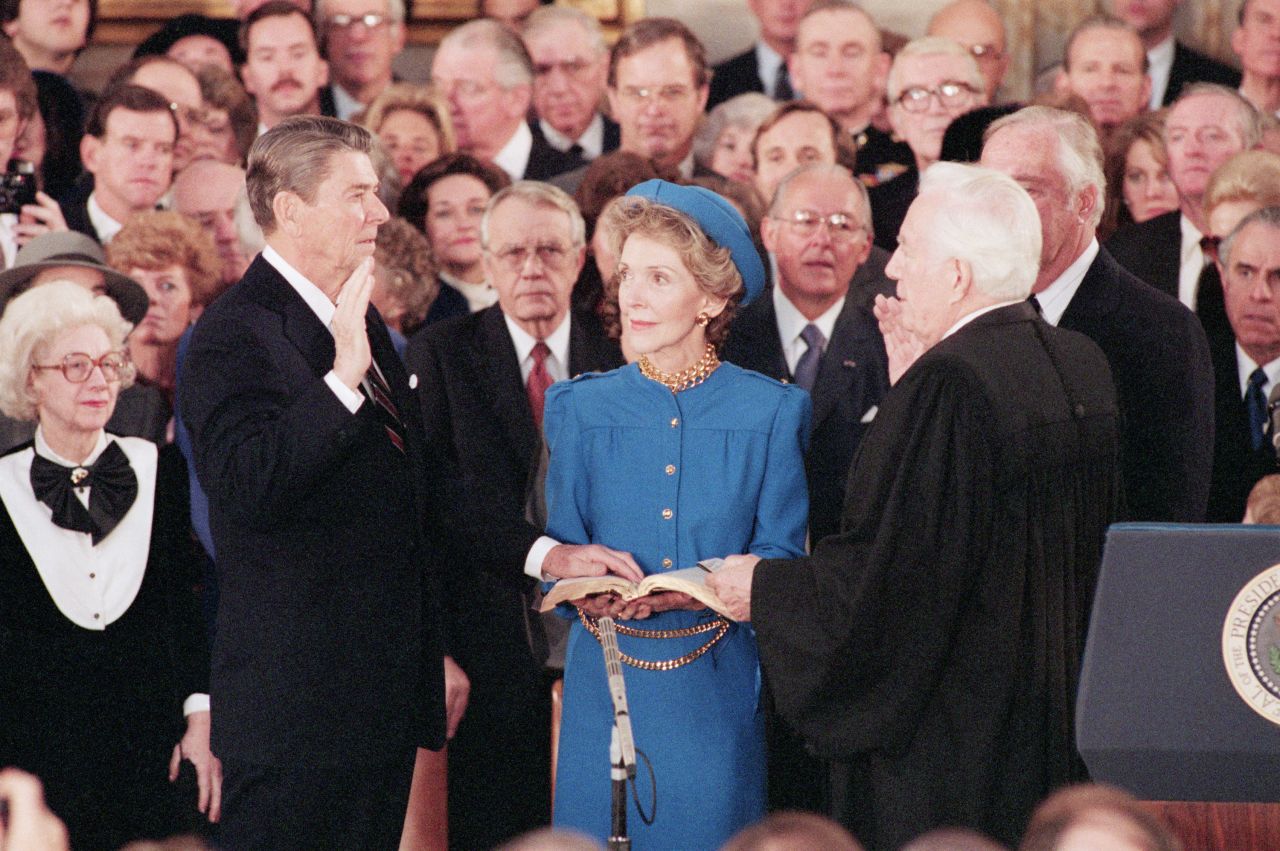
{"x":114,"y":488}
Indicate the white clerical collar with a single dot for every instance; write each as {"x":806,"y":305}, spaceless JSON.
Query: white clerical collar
{"x":1159,"y":66}
{"x":591,"y":141}
{"x":315,"y":298}
{"x":1054,"y":298}
{"x":1246,"y":365}
{"x":967,"y":318}
{"x":557,"y":341}
{"x":514,"y":156}
{"x":345,"y":104}
{"x":791,"y":322}
{"x":768,"y":61}
{"x":105,"y":226}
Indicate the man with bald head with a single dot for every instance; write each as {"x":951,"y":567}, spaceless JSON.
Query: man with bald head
{"x":1171,"y":64}
{"x":210,"y":192}
{"x":978,"y":28}
{"x":1158,"y":354}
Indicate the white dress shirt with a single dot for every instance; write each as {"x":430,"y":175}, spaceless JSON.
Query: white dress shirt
{"x":1190,"y":264}
{"x":1245,"y":366}
{"x":591,"y":141}
{"x":1055,"y":297}
{"x":791,"y":323}
{"x":1159,"y":66}
{"x":106,"y":226}
{"x":768,"y":61}
{"x":514,"y":156}
{"x":344,"y":103}
{"x":324,"y":310}
{"x":8,"y":241}
{"x":557,"y":341}
{"x":92,"y":586}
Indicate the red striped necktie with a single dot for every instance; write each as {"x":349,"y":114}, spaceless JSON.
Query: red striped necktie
{"x":539,"y":381}
{"x":380,"y":393}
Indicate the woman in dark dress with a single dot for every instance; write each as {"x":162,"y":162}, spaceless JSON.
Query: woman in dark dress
{"x":100,"y":641}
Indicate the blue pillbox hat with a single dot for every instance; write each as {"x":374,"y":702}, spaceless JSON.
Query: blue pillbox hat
{"x":719,"y":220}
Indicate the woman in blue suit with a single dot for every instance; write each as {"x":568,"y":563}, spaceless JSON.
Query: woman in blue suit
{"x":675,"y":458}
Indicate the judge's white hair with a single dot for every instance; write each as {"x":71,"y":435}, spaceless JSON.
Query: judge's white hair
{"x":987,"y":220}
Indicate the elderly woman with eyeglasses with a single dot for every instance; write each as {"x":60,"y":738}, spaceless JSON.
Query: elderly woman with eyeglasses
{"x":100,"y":639}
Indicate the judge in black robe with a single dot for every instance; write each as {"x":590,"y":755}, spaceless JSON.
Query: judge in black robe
{"x":931,"y":649}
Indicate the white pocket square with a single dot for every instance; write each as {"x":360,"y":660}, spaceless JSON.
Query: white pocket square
{"x":870,"y":414}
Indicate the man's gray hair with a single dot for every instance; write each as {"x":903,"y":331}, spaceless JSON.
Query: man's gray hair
{"x":514,"y":67}
{"x":834,"y":172}
{"x":395,"y":8}
{"x":933,"y":45}
{"x":1269,"y":216}
{"x":295,"y":156}
{"x":1076,"y":142}
{"x":545,"y":17}
{"x":988,"y":221}
{"x":1249,"y":120}
{"x":538,"y":194}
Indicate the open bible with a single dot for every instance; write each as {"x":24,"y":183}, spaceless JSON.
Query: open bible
{"x":689,"y":580}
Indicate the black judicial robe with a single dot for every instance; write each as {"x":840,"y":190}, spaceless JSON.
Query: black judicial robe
{"x":932,"y":647}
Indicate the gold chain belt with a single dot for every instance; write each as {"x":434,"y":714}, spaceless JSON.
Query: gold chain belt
{"x":720,"y":626}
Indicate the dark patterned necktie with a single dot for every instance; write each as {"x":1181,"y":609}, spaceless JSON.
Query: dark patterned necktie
{"x":113,"y":488}
{"x":1256,"y":402}
{"x":807,"y":366}
{"x":782,"y":84}
{"x":539,"y":381}
{"x":387,"y":412}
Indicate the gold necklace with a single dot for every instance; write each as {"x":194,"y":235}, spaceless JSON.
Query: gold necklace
{"x":686,"y":378}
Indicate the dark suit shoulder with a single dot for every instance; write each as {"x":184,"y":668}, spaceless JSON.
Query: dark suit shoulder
{"x":1192,"y":66}
{"x":1150,"y":249}
{"x":734,"y":76}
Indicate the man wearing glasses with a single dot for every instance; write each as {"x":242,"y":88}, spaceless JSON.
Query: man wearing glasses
{"x":570,"y":64}
{"x":481,"y":382}
{"x":486,"y":76}
{"x":933,"y":80}
{"x":360,"y":38}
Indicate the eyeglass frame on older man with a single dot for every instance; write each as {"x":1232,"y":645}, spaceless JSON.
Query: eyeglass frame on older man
{"x":842,"y":227}
{"x":916,"y":99}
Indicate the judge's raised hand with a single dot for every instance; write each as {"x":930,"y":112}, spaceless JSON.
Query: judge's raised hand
{"x":352,"y":357}
{"x":732,"y":584}
{"x":902,"y":346}
{"x":457,"y":692}
{"x":565,"y":561}
{"x":30,"y":825}
{"x":194,"y":747}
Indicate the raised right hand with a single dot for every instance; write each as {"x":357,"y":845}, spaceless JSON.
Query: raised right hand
{"x":568,"y":560}
{"x":352,"y":356}
{"x":901,"y":345}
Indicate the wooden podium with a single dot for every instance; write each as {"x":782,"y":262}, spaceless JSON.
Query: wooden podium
{"x":1179,"y":698}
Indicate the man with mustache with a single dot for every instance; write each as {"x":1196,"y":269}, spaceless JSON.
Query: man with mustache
{"x":282,"y":69}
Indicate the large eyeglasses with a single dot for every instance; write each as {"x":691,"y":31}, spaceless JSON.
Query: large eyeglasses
{"x":841,"y":226}
{"x":78,"y":366}
{"x":665,"y":94}
{"x":552,"y":255}
{"x":371,"y":20}
{"x":950,"y":94}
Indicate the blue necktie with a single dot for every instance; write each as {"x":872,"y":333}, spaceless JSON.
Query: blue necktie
{"x":807,"y":367}
{"x":1256,"y":401}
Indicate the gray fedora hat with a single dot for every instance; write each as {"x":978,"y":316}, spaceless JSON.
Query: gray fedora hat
{"x":69,"y":248}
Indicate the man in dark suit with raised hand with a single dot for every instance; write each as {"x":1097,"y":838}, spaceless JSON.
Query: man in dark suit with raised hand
{"x":482,"y":378}
{"x":931,"y":648}
{"x":1157,"y":351}
{"x":327,"y":667}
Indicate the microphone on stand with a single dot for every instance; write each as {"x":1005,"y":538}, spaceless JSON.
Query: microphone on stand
{"x":1273,"y":415}
{"x":618,"y":691}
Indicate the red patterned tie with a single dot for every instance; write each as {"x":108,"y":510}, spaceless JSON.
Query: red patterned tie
{"x":386,"y":409}
{"x":539,"y":381}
